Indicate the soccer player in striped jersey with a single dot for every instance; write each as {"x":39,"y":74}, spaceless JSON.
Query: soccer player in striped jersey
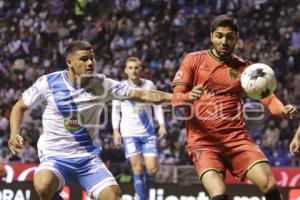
{"x":133,"y":122}
{"x":72,"y":101}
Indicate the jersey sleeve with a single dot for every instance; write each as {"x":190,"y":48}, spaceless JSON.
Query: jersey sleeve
{"x":158,"y":111}
{"x":274,"y":105}
{"x":185,"y":74}
{"x":36,"y":94}
{"x":116,"y":114}
{"x":116,"y":90}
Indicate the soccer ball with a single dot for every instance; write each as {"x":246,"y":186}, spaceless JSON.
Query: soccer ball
{"x":258,"y":81}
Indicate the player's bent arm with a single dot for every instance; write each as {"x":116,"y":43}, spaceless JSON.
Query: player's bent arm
{"x":274,"y":105}
{"x":277,"y":108}
{"x":150,"y":96}
{"x":182,"y":95}
{"x":295,"y":143}
{"x":16,"y":117}
{"x":15,"y":142}
{"x":116,"y":114}
{"x":297,"y":134}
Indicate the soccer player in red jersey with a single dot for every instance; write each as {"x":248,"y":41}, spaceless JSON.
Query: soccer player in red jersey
{"x":217,"y":139}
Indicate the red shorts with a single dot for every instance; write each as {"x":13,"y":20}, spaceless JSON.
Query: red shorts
{"x":237,"y":157}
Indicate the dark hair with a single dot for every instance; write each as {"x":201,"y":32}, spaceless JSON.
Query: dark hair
{"x":224,"y":21}
{"x":77,"y":45}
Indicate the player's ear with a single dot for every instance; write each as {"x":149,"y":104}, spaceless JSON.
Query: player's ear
{"x":126,"y":70}
{"x":69,"y":62}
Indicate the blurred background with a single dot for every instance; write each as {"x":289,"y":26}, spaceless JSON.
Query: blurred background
{"x":34,"y":33}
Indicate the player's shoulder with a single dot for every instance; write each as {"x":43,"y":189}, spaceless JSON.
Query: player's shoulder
{"x":147,"y":81}
{"x":102,"y":79}
{"x":241,"y":62}
{"x":124,"y":82}
{"x":196,"y":57}
{"x":56,"y":73}
{"x":106,"y":81}
{"x":197,"y":54}
{"x":53,"y":76}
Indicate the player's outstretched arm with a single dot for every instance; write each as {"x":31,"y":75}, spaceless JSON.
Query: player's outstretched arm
{"x":295,"y":144}
{"x":15,"y":142}
{"x":276,"y":107}
{"x":150,"y":96}
{"x":183,"y":95}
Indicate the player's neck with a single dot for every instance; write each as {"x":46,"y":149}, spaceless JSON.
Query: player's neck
{"x":74,"y":79}
{"x":135,"y":81}
{"x":221,"y":59}
{"x":71,"y":76}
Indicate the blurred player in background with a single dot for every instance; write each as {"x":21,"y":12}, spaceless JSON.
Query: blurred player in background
{"x":69,"y":148}
{"x":209,"y":81}
{"x":133,"y":122}
{"x":295,"y":144}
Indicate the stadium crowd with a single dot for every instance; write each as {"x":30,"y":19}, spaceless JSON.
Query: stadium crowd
{"x":160,"y":32}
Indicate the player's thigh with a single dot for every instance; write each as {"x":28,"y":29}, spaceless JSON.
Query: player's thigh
{"x":46,"y":180}
{"x":261,"y":175}
{"x":242,"y":156}
{"x":151,"y":163}
{"x":132,"y":146}
{"x":206,"y":159}
{"x":149,"y":147}
{"x":213,"y":182}
{"x":136,"y":162}
{"x":210,"y":168}
{"x":95,"y":178}
{"x":110,"y":193}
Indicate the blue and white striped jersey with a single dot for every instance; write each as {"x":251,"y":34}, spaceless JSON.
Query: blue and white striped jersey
{"x":71,"y":115}
{"x":135,"y":119}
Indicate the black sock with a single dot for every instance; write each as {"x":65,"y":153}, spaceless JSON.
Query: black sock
{"x":220,"y":197}
{"x":274,"y":194}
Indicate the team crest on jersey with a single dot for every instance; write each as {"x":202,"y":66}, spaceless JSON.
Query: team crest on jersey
{"x":73,"y":122}
{"x":233,"y":73}
{"x":178,"y":75}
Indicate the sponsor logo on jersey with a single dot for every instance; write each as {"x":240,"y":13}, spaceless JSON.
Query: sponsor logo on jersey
{"x":74,"y":122}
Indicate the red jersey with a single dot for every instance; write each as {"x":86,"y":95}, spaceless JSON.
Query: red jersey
{"x":217,"y":116}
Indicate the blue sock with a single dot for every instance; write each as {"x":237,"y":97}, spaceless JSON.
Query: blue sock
{"x":57,"y":197}
{"x":149,"y":179}
{"x":139,"y":186}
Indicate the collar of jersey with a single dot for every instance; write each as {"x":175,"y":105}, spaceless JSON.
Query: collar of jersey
{"x":68,"y":80}
{"x":137,"y":85}
{"x":226,"y":60}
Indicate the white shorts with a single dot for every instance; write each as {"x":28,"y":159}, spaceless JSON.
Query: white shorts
{"x":91,"y":173}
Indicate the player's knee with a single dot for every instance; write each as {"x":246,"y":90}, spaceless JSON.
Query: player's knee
{"x":110,"y":193}
{"x":153,"y":170}
{"x":44,"y":189}
{"x":137,"y":168}
{"x":267,"y":184}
